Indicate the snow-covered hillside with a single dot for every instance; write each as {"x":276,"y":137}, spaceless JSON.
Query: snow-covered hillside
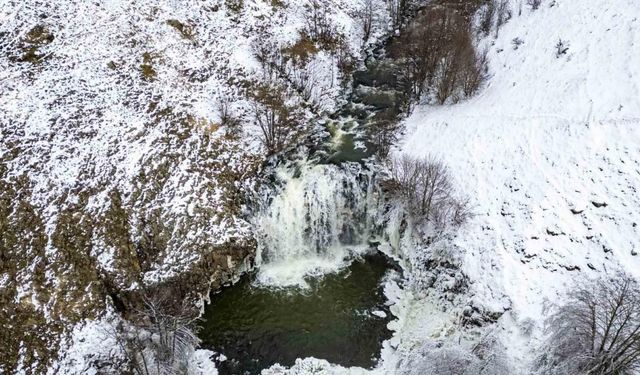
{"x":549,"y":153}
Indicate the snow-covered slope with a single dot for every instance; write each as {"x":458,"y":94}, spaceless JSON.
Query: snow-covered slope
{"x":549,"y":153}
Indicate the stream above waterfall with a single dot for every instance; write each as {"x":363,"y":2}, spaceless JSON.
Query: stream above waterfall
{"x":341,"y":317}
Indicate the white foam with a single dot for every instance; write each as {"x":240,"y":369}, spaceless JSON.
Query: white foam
{"x":315,"y":224}
{"x":293,"y":272}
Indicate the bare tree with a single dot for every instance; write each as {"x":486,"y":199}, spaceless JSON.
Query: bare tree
{"x":438,"y":56}
{"x":497,"y":10}
{"x":398,"y":10}
{"x":274,"y":116}
{"x":487,"y":16}
{"x":597,"y":332}
{"x":426,"y":189}
{"x":504,"y":14}
{"x":366,"y":19}
{"x":159,"y":337}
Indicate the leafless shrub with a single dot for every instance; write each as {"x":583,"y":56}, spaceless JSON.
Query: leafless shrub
{"x":366,"y":19}
{"x":319,"y":23}
{"x":438,"y":56}
{"x":461,"y":210}
{"x":474,"y":73}
{"x":383,"y":134}
{"x":597,"y":331}
{"x":275,"y":116}
{"x":534,"y":4}
{"x":160,"y":338}
{"x":486,"y":17}
{"x":504,"y":14}
{"x":561,"y":48}
{"x":516,"y":42}
{"x":231,"y":123}
{"x":462,"y":71}
{"x":449,"y":359}
{"x":426,"y":189}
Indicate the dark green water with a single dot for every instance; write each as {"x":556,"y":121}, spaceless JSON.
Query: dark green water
{"x":256,"y":327}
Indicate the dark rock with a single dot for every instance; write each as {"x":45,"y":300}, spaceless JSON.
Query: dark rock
{"x":378,"y":99}
{"x":551,"y":232}
{"x":570,"y":268}
{"x":599,"y":204}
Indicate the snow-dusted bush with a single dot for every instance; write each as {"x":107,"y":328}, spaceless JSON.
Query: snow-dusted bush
{"x":597,"y":331}
{"x":485,"y":358}
{"x":426,"y":190}
{"x":438,"y":55}
{"x":160,"y":338}
{"x":534,"y":4}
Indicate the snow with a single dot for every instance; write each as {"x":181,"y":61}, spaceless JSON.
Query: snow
{"x":202,"y":364}
{"x":89,"y":341}
{"x":312,"y":365}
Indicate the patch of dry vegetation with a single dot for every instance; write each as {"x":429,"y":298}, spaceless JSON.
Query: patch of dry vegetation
{"x":437,"y":53}
{"x":424,"y":187}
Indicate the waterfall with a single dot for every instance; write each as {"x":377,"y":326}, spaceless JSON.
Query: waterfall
{"x":320,"y":217}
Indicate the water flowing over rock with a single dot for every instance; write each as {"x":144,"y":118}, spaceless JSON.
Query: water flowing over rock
{"x":319,"y":218}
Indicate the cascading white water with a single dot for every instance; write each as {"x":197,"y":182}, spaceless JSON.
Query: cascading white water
{"x":315,"y":222}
